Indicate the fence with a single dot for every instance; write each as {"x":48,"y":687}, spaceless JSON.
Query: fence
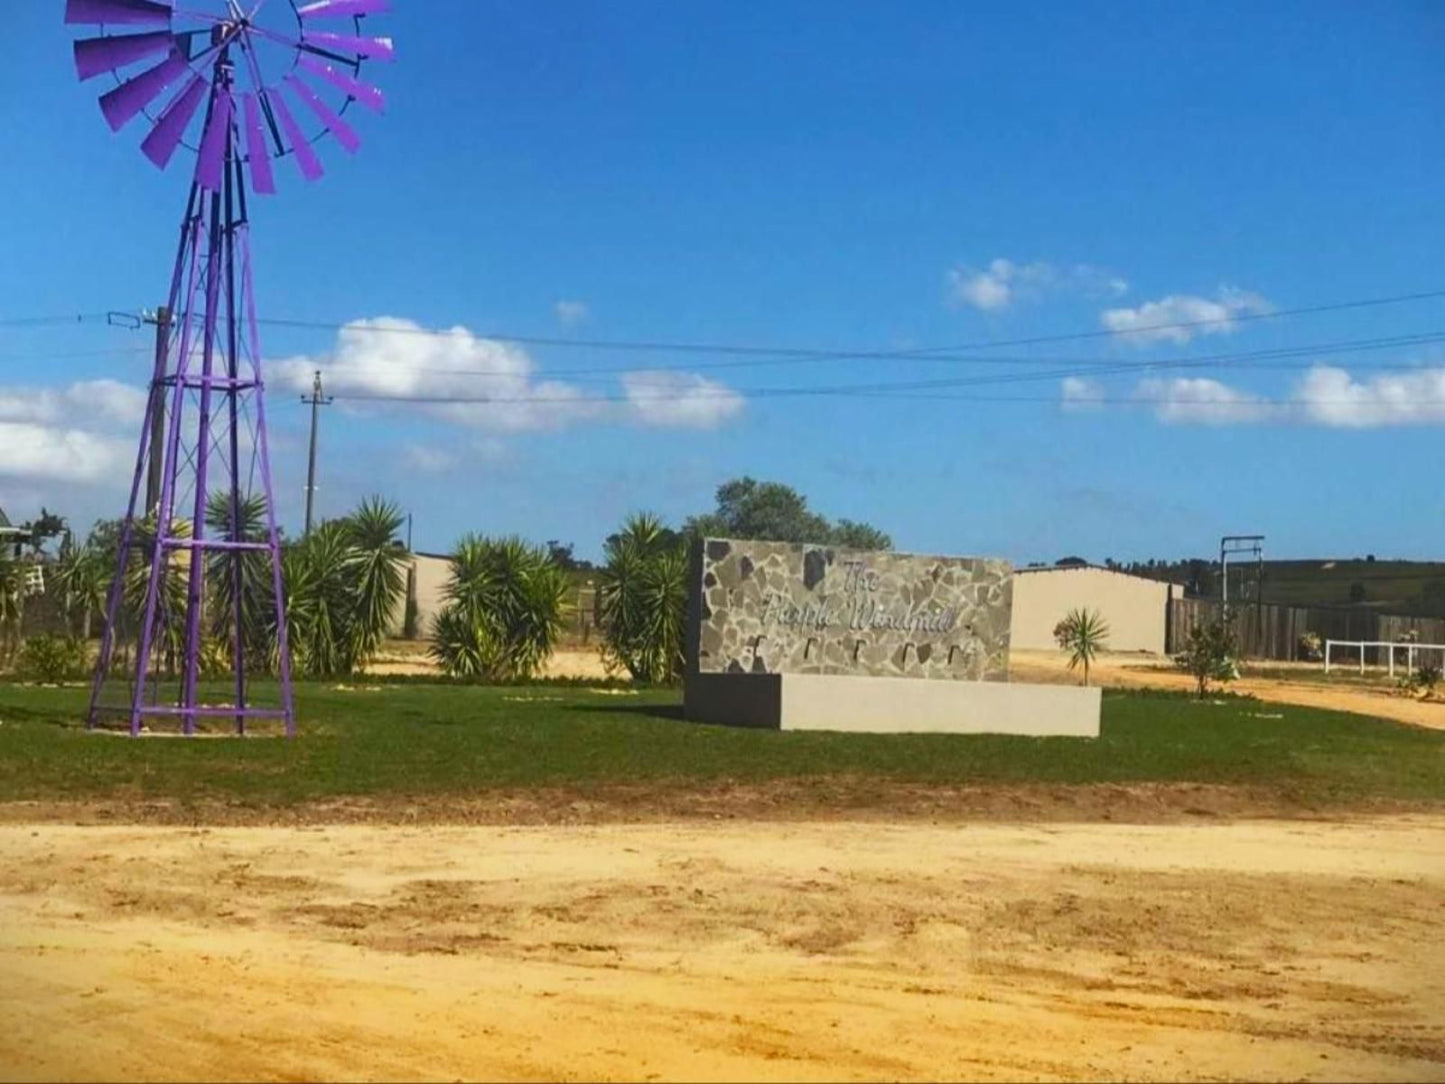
{"x":1406,"y":654}
{"x":1270,"y":631}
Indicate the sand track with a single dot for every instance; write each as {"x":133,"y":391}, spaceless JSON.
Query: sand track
{"x":1281,"y":950}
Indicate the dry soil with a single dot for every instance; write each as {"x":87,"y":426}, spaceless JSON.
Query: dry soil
{"x":1244,"y":950}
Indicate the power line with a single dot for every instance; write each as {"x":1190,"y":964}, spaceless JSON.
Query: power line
{"x":863,"y":392}
{"x":828,"y":354}
{"x":42,"y":321}
{"x":1084,"y":365}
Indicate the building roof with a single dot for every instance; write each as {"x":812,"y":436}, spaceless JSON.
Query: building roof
{"x":1095,"y":568}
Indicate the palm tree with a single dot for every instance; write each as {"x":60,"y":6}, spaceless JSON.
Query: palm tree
{"x":643,"y":599}
{"x":1083,"y":633}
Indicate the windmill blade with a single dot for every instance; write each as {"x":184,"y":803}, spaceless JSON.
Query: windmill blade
{"x":211,"y":161}
{"x":344,"y":133}
{"x":327,"y":9}
{"x":117,"y":12}
{"x":263,"y":181}
{"x":128,"y":99}
{"x":96,"y":55}
{"x":306,"y":158}
{"x":376,"y":48}
{"x":161,"y":143}
{"x":365,"y":93}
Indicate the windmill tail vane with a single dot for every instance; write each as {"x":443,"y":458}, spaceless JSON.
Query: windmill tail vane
{"x":196,"y":618}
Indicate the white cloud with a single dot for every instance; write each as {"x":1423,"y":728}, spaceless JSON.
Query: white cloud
{"x":490,"y":385}
{"x":429,"y":460}
{"x":1325,"y":396}
{"x":1077,"y":393}
{"x":83,"y":433}
{"x":571,"y":313}
{"x":1202,"y":401}
{"x":1157,"y":321}
{"x":1005,"y":282}
{"x":105,"y":401}
{"x":61,"y":453}
{"x":1330,"y":396}
{"x":666,"y":398}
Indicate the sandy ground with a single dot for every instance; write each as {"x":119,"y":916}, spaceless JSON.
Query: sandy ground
{"x":1143,"y":672}
{"x":1246,"y":950}
{"x":564,"y":663}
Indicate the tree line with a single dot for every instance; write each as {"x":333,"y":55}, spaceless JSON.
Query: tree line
{"x":346,"y":581}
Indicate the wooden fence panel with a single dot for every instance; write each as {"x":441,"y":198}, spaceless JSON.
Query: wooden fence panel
{"x":1270,"y":631}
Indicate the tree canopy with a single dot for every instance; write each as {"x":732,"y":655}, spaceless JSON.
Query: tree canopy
{"x":774,"y":512}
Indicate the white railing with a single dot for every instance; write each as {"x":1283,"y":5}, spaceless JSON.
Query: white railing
{"x":1394,"y":646}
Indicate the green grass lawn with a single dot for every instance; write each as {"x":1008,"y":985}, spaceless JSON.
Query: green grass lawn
{"x":410,"y":739}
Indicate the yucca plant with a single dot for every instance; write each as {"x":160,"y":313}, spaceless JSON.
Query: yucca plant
{"x":84,"y":574}
{"x":377,"y":570}
{"x":321,"y":602}
{"x":1083,"y":633}
{"x":256,"y":596}
{"x":643,"y":600}
{"x":174,"y":572}
{"x":503,"y":610}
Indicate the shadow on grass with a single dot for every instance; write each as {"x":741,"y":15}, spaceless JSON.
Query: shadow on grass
{"x":670,"y":712}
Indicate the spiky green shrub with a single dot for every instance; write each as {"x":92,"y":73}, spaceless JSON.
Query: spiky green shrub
{"x":503,"y":610}
{"x":642,"y":600}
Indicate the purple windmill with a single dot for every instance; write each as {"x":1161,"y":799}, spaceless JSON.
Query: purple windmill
{"x":198,"y":588}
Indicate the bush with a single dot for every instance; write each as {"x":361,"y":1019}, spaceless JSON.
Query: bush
{"x":1427,"y":676}
{"x":1311,"y":647}
{"x":1210,"y":654}
{"x":52,"y":659}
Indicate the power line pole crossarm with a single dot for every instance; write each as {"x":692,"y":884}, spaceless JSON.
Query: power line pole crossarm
{"x":317,"y":401}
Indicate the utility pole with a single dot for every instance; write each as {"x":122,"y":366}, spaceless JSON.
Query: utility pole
{"x":1240,"y":544}
{"x":162,"y":321}
{"x":317,"y":401}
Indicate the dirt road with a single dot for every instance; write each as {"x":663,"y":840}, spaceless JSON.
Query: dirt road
{"x":1152,"y":672}
{"x":1258,"y":950}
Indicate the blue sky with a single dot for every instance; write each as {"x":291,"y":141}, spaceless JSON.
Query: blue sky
{"x":840,"y":176}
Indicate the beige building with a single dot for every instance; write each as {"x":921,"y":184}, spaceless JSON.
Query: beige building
{"x":1135,"y":608}
{"x":431,"y":578}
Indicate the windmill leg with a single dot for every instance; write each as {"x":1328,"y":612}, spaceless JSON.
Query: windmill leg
{"x":238,"y":557}
{"x":150,"y":454}
{"x":164,"y":512}
{"x":117,"y":585}
{"x":195,"y":591}
{"x":253,"y":338}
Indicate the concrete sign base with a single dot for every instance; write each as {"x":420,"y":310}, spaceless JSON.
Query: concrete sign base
{"x":881,"y":705}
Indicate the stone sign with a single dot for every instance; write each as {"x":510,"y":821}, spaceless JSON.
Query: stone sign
{"x":783,"y":608}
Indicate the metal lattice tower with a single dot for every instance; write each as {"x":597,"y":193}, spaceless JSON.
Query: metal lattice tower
{"x":196,"y":612}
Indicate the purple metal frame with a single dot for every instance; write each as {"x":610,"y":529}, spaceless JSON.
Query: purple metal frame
{"x":211,"y":293}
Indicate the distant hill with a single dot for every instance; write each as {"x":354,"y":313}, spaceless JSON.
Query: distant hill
{"x":1405,"y":587}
